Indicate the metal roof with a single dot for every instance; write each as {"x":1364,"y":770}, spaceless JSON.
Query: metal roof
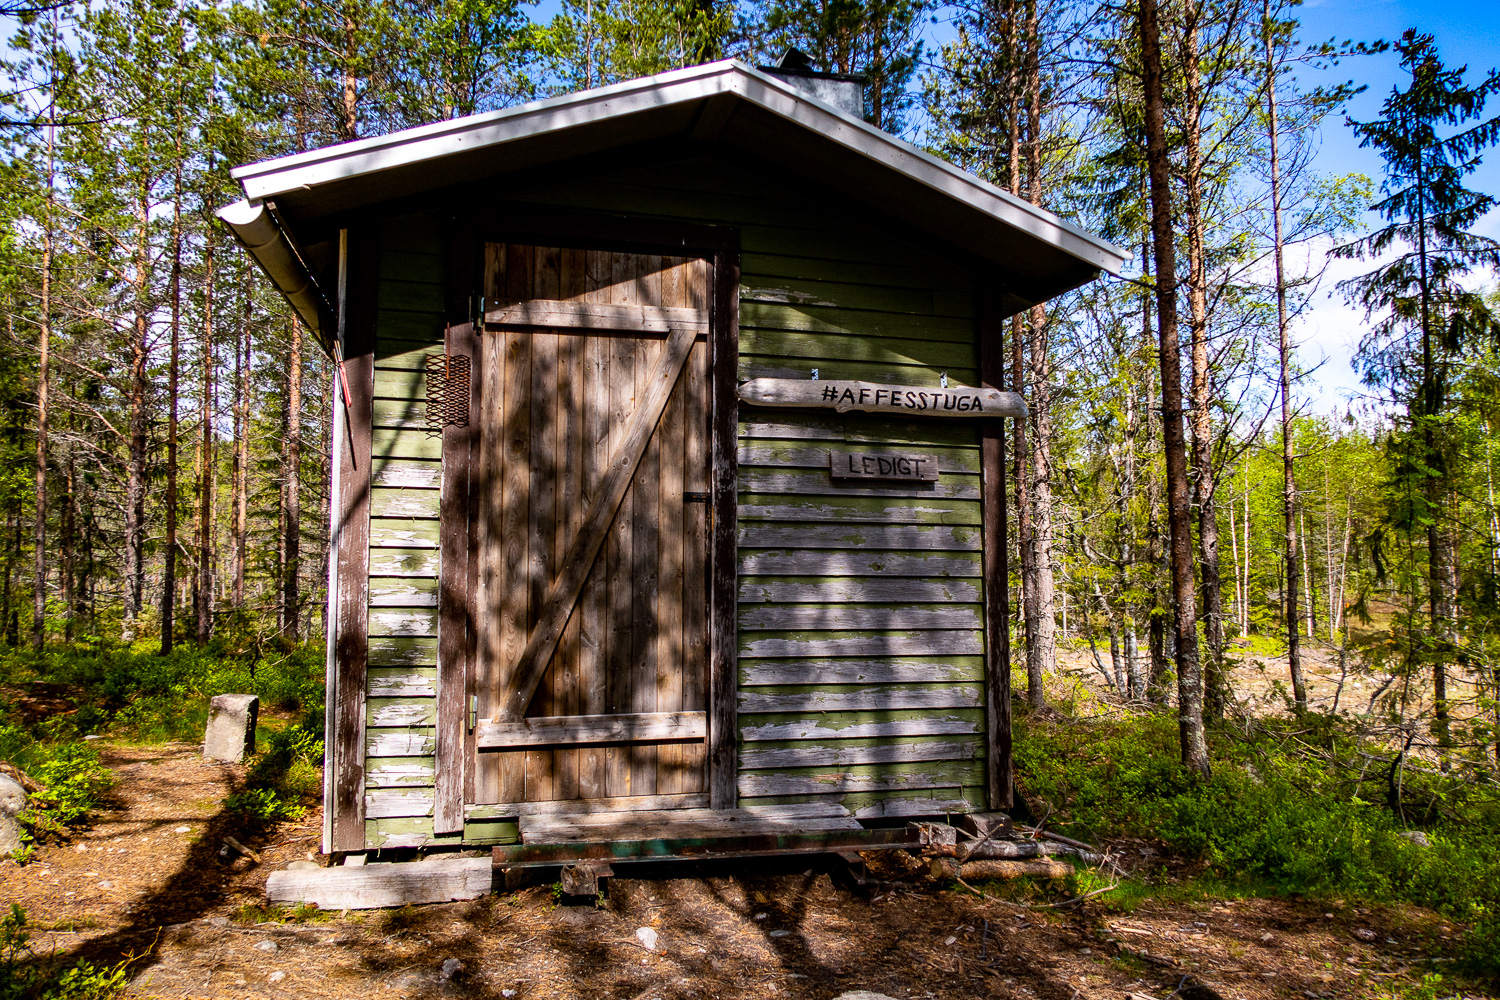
{"x":726,"y":105}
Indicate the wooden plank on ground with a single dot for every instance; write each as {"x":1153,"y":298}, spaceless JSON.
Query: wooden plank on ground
{"x":365,"y":887}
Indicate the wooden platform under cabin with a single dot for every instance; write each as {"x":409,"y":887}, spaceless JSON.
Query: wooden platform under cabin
{"x":813,"y":828}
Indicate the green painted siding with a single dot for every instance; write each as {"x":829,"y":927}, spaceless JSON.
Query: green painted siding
{"x":401,"y":693}
{"x":860,"y":617}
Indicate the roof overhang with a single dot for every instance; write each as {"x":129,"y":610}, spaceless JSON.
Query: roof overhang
{"x":728,"y":105}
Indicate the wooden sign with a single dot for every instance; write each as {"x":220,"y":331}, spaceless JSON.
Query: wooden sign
{"x":868,"y":397}
{"x":863,"y":465}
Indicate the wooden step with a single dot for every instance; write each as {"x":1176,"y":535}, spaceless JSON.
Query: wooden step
{"x":683,"y":824}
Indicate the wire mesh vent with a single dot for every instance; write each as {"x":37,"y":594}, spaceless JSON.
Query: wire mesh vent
{"x":447,"y":392}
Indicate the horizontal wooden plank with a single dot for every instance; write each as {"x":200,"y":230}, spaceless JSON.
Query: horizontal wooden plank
{"x":838,"y":644}
{"x":860,"y":698}
{"x":400,"y":380}
{"x":760,"y":590}
{"x":681,"y":825}
{"x":642,"y":727}
{"x":810,"y":754}
{"x":575,"y":807}
{"x":403,"y":652}
{"x":404,"y":562}
{"x":783,"y":814}
{"x":393,"y":443}
{"x":839,"y":428}
{"x":798,"y":290}
{"x":859,"y":617}
{"x":824,"y":563}
{"x":392,"y":803}
{"x":408,"y":265}
{"x":925,"y":805}
{"x":752,"y":366}
{"x":413,"y":741}
{"x":760,"y":673}
{"x":861,"y":778}
{"x":399,"y":772}
{"x":860,"y":725}
{"x":402,"y":682}
{"x":400,"y":711}
{"x":403,"y":502}
{"x":782,"y":454}
{"x":415,"y":831}
{"x":844,"y":509}
{"x":408,"y":295}
{"x":403,"y":414}
{"x":413,"y":473}
{"x":955,"y":335}
{"x":569,"y":315}
{"x":404,"y":532}
{"x":371,"y":886}
{"x":899,"y":537}
{"x":415,"y":327}
{"x":403,"y":592}
{"x":818,"y":482}
{"x":946,"y":287}
{"x":403,"y":622}
{"x":868,"y":347}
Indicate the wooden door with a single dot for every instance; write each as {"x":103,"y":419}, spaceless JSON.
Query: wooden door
{"x":592,"y":528}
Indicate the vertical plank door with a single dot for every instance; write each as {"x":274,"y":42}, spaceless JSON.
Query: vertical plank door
{"x":590,"y":485}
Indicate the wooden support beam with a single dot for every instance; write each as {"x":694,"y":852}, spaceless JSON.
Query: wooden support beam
{"x":366,"y":887}
{"x":999,"y":778}
{"x":642,"y":727}
{"x":723,"y":647}
{"x":351,"y":625}
{"x":563,"y":594}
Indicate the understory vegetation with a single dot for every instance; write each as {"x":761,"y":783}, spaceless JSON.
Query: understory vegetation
{"x":1307,"y":806}
{"x":50,"y":702}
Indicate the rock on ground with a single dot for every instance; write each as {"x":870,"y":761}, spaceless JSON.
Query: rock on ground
{"x":12,"y":801}
{"x":231,"y":727}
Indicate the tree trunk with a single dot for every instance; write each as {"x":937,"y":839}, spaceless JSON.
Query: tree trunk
{"x":242,"y":360}
{"x":169,"y":554}
{"x":292,"y":541}
{"x":43,"y":385}
{"x":1174,"y":440}
{"x":203,"y":591}
{"x":135,"y":476}
{"x":1205,"y":478}
{"x":1041,"y":646}
{"x":1288,"y":455}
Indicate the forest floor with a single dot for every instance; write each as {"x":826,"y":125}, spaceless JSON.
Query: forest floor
{"x":152,"y":879}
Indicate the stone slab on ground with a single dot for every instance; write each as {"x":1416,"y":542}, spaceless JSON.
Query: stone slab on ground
{"x":231,"y":727}
{"x":12,"y":801}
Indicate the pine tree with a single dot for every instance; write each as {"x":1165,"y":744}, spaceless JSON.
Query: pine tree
{"x":1426,"y":316}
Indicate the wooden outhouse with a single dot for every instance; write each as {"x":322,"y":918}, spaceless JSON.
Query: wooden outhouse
{"x":668,"y":490}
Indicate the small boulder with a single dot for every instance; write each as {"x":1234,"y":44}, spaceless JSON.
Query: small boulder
{"x":267,"y":946}
{"x":862,"y":995}
{"x":452,"y":967}
{"x":1417,"y":837}
{"x":231,"y":727}
{"x":303,"y":865}
{"x":647,"y":937}
{"x":12,"y":802}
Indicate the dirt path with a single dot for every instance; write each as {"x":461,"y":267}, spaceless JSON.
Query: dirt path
{"x":149,"y":879}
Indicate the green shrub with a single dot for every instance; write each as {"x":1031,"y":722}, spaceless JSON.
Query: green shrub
{"x":1276,"y":817}
{"x":22,"y":978}
{"x":73,"y":782}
